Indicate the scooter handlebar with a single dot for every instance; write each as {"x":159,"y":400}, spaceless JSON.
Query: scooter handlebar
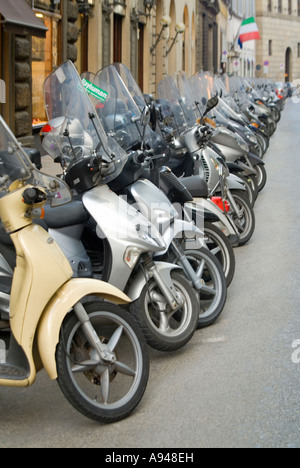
{"x":32,"y":195}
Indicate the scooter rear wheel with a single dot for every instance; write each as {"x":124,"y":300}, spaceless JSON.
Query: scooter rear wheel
{"x":104,"y":392}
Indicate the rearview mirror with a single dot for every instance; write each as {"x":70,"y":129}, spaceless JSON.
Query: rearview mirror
{"x":211,"y":104}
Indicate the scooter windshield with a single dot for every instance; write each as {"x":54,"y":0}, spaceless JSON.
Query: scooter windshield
{"x":126,"y":122}
{"x":16,"y":166}
{"x":176,"y":105}
{"x":202,"y":87}
{"x":77,"y":134}
{"x":131,"y":85}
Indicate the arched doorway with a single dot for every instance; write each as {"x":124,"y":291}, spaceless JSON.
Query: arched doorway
{"x":288,"y":65}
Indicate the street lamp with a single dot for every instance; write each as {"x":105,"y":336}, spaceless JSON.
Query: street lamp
{"x":165,"y":23}
{"x":179,"y":28}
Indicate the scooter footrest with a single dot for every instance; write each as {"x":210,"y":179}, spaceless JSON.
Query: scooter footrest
{"x":7,"y":371}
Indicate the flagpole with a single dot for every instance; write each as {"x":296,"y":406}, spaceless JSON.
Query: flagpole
{"x":237,"y":35}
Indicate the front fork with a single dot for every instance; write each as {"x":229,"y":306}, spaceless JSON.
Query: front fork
{"x":233,"y":204}
{"x":102,"y":349}
{"x":187,"y":267}
{"x":165,"y":284}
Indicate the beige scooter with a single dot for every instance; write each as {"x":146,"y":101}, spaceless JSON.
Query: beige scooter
{"x":71,"y":327}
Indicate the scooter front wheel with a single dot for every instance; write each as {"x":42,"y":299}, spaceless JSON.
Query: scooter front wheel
{"x":164,"y":329}
{"x":100,"y":390}
{"x":261,"y":176}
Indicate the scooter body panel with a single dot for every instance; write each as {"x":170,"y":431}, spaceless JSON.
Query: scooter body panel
{"x":123,"y":226}
{"x":60,"y":305}
{"x":29,"y":297}
{"x":32,"y":245}
{"x":154,"y":204}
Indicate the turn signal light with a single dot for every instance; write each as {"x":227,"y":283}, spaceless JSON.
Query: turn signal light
{"x":223,"y":205}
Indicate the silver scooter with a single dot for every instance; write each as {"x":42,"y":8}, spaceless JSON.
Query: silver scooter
{"x":233,"y":143}
{"x":163,"y":301}
{"x":206,"y":162}
{"x":213,"y":212}
{"x":184,"y":238}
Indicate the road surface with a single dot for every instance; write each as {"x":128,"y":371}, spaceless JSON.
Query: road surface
{"x":236,"y":384}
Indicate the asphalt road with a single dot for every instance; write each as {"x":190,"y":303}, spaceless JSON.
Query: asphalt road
{"x":235,"y":384}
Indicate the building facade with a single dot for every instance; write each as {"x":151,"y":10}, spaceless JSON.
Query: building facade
{"x":153,"y":38}
{"x":278,"y":52}
{"x":241,"y":61}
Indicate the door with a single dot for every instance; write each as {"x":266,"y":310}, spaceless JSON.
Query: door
{"x":118,"y":19}
{"x":141,"y":56}
{"x":288,"y":65}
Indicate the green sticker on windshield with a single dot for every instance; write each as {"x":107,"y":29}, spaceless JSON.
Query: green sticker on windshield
{"x":94,"y":90}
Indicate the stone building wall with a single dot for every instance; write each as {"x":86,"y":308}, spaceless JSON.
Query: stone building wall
{"x":282,"y":28}
{"x":22,"y":86}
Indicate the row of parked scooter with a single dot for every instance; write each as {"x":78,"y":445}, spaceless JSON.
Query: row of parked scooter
{"x":133,"y":243}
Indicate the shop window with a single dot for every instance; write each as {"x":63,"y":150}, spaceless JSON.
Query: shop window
{"x":44,"y":61}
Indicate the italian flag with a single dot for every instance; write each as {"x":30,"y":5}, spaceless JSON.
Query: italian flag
{"x":248,"y":31}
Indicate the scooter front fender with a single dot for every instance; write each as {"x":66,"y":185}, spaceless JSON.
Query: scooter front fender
{"x":254,"y":159}
{"x":224,"y":222}
{"x":60,"y":305}
{"x":233,"y":182}
{"x":140,"y":280}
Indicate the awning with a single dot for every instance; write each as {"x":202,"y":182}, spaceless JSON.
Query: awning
{"x":19,"y":18}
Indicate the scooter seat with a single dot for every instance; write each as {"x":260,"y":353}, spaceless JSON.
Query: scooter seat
{"x":71,"y":214}
{"x":196,"y":186}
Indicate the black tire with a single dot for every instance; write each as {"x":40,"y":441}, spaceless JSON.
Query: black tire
{"x":164,"y":330}
{"x":213,"y":278}
{"x":84,"y":389}
{"x":246,"y":224}
{"x":264,"y":141}
{"x":276,"y":114}
{"x":219,"y":245}
{"x":261,"y":176}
